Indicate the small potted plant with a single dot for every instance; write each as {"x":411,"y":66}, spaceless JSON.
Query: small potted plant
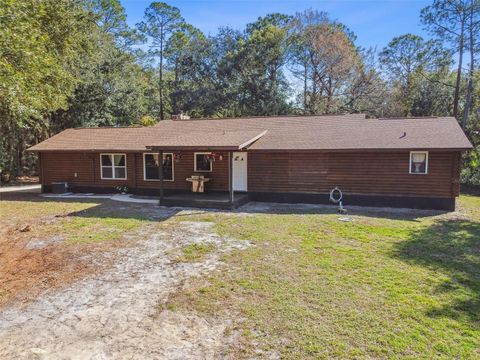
{"x":122,"y":189}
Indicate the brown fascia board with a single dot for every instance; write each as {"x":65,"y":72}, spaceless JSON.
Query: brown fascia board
{"x":252,"y":140}
{"x":360,"y":150}
{"x":86,"y":150}
{"x":223,"y":148}
{"x":197,"y":148}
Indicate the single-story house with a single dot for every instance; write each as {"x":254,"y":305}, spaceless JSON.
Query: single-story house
{"x":398,"y":162}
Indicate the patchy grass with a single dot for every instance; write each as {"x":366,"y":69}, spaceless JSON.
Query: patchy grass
{"x":75,"y":222}
{"x":382,"y":286}
{"x":27,"y":211}
{"x":470,"y":205}
{"x":40,"y":240}
{"x":80,"y":230}
{"x":195,"y":252}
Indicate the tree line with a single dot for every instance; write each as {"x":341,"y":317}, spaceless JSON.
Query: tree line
{"x":72,"y":63}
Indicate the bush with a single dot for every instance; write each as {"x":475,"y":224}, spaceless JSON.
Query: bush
{"x":470,"y":174}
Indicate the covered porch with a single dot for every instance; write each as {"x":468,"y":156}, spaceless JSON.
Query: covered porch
{"x":228,"y":147}
{"x":214,"y":200}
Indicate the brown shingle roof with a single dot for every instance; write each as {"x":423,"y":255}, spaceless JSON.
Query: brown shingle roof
{"x":219,"y":140}
{"x":340,"y":132}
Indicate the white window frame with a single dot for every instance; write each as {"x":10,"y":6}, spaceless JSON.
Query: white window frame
{"x":145,"y":168}
{"x":113,"y":167}
{"x":195,"y":162}
{"x":410,"y":163}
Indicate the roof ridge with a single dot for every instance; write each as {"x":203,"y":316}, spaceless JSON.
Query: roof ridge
{"x":410,"y":117}
{"x":110,"y":127}
{"x":261,"y":117}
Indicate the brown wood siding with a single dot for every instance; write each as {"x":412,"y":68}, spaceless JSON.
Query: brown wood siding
{"x":369,"y":173}
{"x":63,"y":166}
{"x":183,"y":169}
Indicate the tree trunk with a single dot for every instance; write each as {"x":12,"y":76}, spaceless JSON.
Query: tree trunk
{"x":174,"y":98}
{"x":161,"y":74}
{"x":329,"y":95}
{"x":20,"y":148}
{"x":459,"y":70}
{"x":305,"y":84}
{"x":16,"y":165}
{"x":407,"y":104}
{"x":468,"y":100}
{"x":273,"y":90}
{"x":313,"y":95}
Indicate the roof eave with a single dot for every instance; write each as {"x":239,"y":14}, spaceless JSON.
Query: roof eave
{"x":360,"y":149}
{"x":84,"y":150}
{"x":252,"y":140}
{"x":198,"y":148}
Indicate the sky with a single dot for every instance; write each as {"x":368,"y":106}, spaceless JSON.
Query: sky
{"x":375,"y":22}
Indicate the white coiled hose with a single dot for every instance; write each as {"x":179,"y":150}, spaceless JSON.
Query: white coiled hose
{"x":336,"y":195}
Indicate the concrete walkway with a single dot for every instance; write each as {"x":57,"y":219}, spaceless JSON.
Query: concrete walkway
{"x":117,"y":197}
{"x":19,"y":188}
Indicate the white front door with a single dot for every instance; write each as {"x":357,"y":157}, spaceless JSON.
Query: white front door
{"x":240,"y":171}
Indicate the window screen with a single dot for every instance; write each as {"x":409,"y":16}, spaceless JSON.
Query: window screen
{"x":113,"y":166}
{"x":202,"y":162}
{"x":152,"y":166}
{"x":418,"y":162}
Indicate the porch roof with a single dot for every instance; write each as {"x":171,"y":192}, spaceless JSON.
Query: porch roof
{"x":220,"y":140}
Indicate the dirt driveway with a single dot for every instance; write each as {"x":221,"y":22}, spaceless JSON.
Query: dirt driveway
{"x":118,"y":313}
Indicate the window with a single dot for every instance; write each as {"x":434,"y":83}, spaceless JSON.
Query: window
{"x":151,"y":166}
{"x":113,"y":166}
{"x":418,"y":162}
{"x":203,"y":162}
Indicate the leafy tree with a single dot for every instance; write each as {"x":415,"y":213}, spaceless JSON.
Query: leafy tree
{"x":177,"y":51}
{"x":260,"y":58}
{"x":275,"y":19}
{"x":42,"y":45}
{"x":407,"y":58}
{"x":333,"y":57}
{"x":146,"y":120}
{"x":111,"y":93}
{"x":366,"y":91}
{"x":300,"y":51}
{"x":208,"y":67}
{"x":325,"y":57}
{"x":68,"y":63}
{"x":160,"y":22}
{"x":447,"y":19}
{"x":111,"y":86}
{"x":473,"y":30}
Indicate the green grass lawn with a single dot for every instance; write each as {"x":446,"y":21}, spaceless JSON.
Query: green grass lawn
{"x":386,"y":285}
{"x":78,"y":222}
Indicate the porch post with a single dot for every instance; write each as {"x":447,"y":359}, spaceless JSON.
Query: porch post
{"x":160,"y":174}
{"x":230,"y":177}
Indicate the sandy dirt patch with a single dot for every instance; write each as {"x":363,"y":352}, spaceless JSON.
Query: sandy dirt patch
{"x":118,"y":314}
{"x":30,"y":265}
